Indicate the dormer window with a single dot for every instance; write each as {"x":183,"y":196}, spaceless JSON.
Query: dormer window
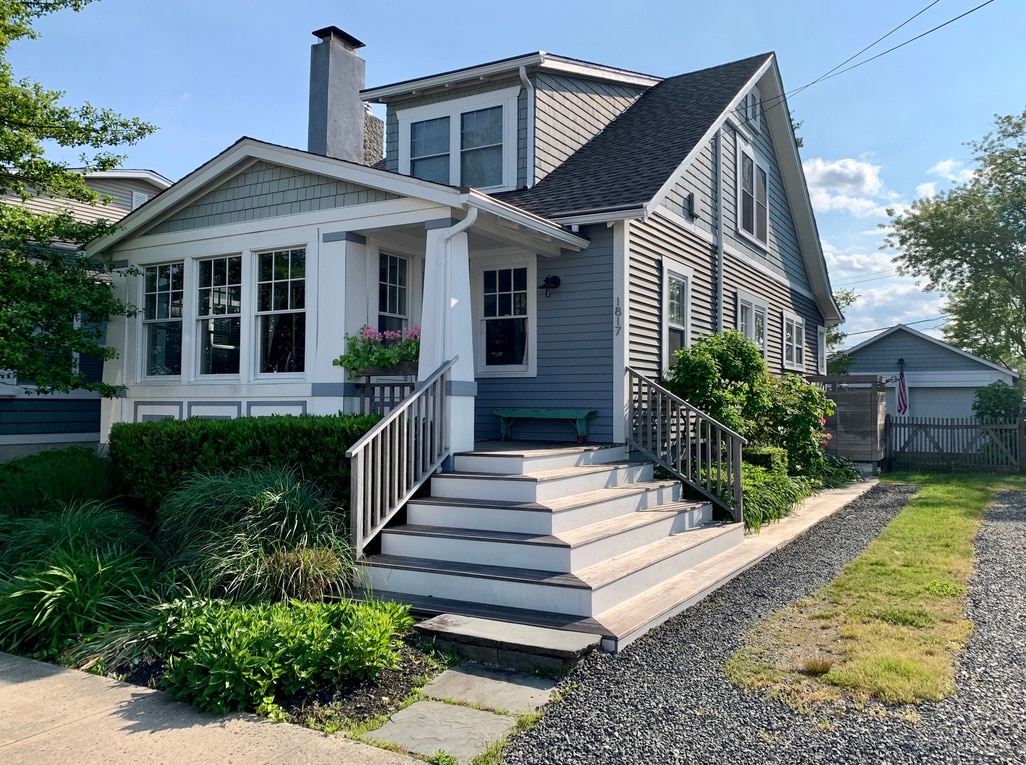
{"x":468,"y":141}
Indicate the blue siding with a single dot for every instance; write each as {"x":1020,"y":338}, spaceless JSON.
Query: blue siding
{"x":700,"y":180}
{"x":575,"y":347}
{"x":920,"y":355}
{"x":45,"y":414}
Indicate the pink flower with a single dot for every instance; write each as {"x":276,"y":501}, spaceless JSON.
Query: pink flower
{"x":413,"y":332}
{"x":369,"y":333}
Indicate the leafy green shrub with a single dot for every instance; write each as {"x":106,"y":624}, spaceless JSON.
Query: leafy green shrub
{"x":998,"y":401}
{"x":34,"y":484}
{"x":838,"y":471}
{"x":769,"y":496}
{"x":45,"y":611}
{"x":724,"y":376}
{"x":227,"y":658}
{"x":256,"y":534}
{"x":80,"y":528}
{"x":795,"y":420}
{"x":155,"y":457}
{"x":773,"y":458}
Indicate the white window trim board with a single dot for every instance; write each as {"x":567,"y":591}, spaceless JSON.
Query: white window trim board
{"x":744,"y":147}
{"x":821,"y":349}
{"x":758,"y":305}
{"x":453,"y":108}
{"x":670,"y":268}
{"x":478,"y":266}
{"x":786,"y":316}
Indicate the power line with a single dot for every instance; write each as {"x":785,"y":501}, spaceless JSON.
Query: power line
{"x":945,"y":317}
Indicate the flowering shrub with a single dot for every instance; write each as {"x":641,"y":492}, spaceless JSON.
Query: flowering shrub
{"x":371,"y":348}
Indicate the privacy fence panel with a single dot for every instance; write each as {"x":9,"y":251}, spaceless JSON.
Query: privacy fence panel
{"x":956,"y":444}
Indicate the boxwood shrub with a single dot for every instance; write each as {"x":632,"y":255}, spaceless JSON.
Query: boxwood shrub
{"x":773,"y":458}
{"x":152,"y":458}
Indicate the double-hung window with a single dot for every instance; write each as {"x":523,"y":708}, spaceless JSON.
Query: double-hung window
{"x":393,"y":293}
{"x":281,"y":310}
{"x":164,"y":290}
{"x":505,"y":314}
{"x":676,"y":309}
{"x":219,"y":313}
{"x":751,"y":319}
{"x":794,"y":342}
{"x":468,"y":141}
{"x":752,"y":196}
{"x":751,"y":110}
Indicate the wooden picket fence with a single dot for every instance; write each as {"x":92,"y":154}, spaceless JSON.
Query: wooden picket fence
{"x":956,"y":444}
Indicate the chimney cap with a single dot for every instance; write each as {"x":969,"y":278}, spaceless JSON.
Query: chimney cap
{"x":334,"y":33}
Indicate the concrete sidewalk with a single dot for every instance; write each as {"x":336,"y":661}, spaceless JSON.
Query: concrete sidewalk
{"x":55,"y":716}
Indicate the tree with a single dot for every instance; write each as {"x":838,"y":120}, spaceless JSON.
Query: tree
{"x":839,"y":363}
{"x":53,"y":299}
{"x":970,"y":242}
{"x":998,"y":400}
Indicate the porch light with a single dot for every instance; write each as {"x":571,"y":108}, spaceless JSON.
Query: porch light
{"x":550,"y":283}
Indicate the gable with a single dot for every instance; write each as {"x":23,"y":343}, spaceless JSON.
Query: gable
{"x":267,"y":190}
{"x":920,"y":355}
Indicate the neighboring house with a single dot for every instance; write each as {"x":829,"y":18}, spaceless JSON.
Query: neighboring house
{"x":664,"y":209}
{"x":941,"y":380}
{"x":31,"y":423}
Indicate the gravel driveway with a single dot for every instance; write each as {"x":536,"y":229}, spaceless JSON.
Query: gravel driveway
{"x":665,"y":698}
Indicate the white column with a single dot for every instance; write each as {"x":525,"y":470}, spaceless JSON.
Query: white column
{"x":447,"y":330}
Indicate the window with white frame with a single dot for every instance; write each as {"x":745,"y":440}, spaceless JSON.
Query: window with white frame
{"x":676,"y":309}
{"x":752,"y":315}
{"x":505,"y":310}
{"x":794,"y":341}
{"x":468,"y":141}
{"x":751,"y":109}
{"x":281,"y":310}
{"x":219,"y":314}
{"x":821,"y":348}
{"x":164,"y":290}
{"x":752,"y":196}
{"x":393,"y":293}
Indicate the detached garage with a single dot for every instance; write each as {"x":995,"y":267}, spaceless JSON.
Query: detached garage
{"x":940,"y":380}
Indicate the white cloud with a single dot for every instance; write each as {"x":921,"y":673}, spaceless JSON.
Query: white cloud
{"x":926,"y":189}
{"x":951,"y":170}
{"x":846,"y":185}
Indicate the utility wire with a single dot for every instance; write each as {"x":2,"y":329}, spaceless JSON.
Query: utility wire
{"x":945,"y":317}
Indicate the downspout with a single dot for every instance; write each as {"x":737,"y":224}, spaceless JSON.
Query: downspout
{"x":530,"y":126}
{"x":445,"y":283}
{"x":720,"y":297}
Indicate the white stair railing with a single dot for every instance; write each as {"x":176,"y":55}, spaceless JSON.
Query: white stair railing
{"x":395,"y":457}
{"x":690,"y":444}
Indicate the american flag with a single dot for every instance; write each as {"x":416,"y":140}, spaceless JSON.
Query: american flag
{"x":902,"y":394}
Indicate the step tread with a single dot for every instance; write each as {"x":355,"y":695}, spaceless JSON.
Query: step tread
{"x":549,"y":475}
{"x":480,"y":535}
{"x":608,"y":528}
{"x":569,"y":502}
{"x":504,"y":573}
{"x":620,"y":566}
{"x":532,"y":449}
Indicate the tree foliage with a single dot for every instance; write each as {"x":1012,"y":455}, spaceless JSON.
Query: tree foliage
{"x":970,"y":243}
{"x":999,"y":401}
{"x":52,"y":298}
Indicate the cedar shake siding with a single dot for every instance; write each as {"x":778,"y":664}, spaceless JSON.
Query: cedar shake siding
{"x":575,"y":341}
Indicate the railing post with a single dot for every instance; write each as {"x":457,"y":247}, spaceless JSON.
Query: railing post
{"x":735,"y":449}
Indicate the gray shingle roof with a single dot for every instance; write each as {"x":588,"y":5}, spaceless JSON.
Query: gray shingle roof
{"x":627,"y":163}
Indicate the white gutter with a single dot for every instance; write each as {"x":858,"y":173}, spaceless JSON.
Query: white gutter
{"x":445,"y":284}
{"x":530,"y":125}
{"x":476,"y":199}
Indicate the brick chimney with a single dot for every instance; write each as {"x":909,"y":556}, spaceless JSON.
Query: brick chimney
{"x":337,"y":114}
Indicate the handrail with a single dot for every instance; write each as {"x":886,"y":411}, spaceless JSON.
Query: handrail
{"x":701,"y":452}
{"x":395,"y":457}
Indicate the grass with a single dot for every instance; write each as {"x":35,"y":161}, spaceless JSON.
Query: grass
{"x":890,"y":626}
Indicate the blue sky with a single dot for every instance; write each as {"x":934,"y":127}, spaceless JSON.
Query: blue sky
{"x":881,"y":135}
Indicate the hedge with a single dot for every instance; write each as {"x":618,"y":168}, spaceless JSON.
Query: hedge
{"x":772,"y":458}
{"x":152,"y":458}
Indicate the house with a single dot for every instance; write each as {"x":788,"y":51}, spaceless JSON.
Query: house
{"x":29,"y":422}
{"x":557,"y":228}
{"x":941,"y":380}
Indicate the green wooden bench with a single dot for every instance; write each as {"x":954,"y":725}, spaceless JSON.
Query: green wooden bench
{"x":577,"y":417}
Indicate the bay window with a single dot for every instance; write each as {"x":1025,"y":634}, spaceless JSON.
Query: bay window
{"x":219,"y":312}
{"x":281,"y":310}
{"x":164,"y":290}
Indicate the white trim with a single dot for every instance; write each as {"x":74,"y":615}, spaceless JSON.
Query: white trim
{"x":585,"y":219}
{"x":621,"y":328}
{"x":477,"y":268}
{"x":149,"y":176}
{"x":744,"y":148}
{"x":540,"y":59}
{"x":689,"y":226}
{"x":529,"y":220}
{"x":799,"y":324}
{"x":453,"y":109}
{"x":753,"y":109}
{"x":758,"y":305}
{"x":671,"y":268}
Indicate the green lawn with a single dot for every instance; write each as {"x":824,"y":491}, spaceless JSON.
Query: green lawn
{"x":890,"y":626}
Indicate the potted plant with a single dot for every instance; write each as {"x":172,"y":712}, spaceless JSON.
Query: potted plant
{"x":370,"y":352}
